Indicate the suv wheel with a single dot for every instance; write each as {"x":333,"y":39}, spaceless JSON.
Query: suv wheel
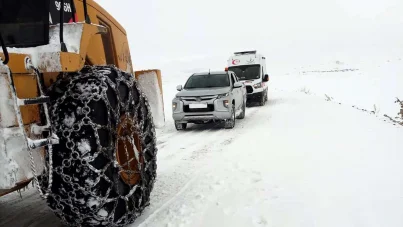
{"x":242,"y":115}
{"x":180,"y":126}
{"x":230,"y":123}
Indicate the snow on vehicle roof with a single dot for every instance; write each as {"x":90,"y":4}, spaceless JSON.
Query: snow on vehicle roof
{"x":212,"y":72}
{"x":246,"y":52}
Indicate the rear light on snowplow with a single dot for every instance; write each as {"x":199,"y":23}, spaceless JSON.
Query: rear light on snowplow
{"x":226,"y":103}
{"x":226,"y":69}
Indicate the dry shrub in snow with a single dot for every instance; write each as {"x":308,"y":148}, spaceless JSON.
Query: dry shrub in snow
{"x":328,"y":98}
{"x":399,"y":118}
{"x":401,"y":108}
{"x":376,"y":109}
{"x":305,"y":90}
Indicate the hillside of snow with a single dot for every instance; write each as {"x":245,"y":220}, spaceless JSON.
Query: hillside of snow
{"x":373,"y":86}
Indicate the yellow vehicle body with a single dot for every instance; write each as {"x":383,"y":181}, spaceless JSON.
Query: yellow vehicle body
{"x":91,"y":53}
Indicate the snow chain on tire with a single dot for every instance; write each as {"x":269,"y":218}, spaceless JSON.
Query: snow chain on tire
{"x":86,"y":109}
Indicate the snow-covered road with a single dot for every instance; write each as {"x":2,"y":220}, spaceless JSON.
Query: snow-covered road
{"x":298,"y":161}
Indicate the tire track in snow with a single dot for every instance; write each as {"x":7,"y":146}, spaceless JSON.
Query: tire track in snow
{"x":174,"y":145}
{"x":179,"y":143}
{"x":186,"y":203}
{"x":199,"y":138}
{"x":176,"y":178}
{"x":153,"y":215}
{"x":210,"y":183}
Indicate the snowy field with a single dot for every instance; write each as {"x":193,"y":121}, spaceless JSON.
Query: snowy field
{"x":371,"y":85}
{"x":298,"y":161}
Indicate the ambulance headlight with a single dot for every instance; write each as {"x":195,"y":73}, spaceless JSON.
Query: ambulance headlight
{"x":258,"y":85}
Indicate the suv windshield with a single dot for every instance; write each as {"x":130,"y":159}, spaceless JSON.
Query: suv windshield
{"x":208,"y":80}
{"x":246,"y":72}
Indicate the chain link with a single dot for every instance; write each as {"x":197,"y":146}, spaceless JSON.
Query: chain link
{"x":43,"y":193}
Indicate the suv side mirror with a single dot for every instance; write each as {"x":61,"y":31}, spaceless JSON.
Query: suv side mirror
{"x":179,"y":87}
{"x":266,"y":78}
{"x":237,"y":84}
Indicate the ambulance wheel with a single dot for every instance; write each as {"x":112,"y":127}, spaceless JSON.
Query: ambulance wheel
{"x":262,"y":101}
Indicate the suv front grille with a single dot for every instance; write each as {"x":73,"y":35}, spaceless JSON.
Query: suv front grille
{"x":201,"y":98}
{"x":210,"y":108}
{"x":249,"y":89}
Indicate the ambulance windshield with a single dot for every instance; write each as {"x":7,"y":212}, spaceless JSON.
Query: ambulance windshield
{"x":246,"y":72}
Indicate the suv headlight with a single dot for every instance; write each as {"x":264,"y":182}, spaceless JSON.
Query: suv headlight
{"x":174,"y":105}
{"x":258,"y":85}
{"x":222,"y":96}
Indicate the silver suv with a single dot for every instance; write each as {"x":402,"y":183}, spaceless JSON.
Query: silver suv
{"x":207,"y":97}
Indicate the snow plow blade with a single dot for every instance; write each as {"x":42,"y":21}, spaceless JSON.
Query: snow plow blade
{"x":151,"y":84}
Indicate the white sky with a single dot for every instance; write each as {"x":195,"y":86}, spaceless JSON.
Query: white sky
{"x":166,"y":30}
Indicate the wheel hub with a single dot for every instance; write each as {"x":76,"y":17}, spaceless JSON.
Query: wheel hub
{"x":128,"y":151}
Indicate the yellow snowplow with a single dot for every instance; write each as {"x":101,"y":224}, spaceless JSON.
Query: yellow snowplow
{"x":74,"y":119}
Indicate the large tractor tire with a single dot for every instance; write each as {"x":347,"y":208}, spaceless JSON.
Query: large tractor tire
{"x":105,"y":164}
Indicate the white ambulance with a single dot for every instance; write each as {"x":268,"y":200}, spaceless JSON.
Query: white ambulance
{"x":250,"y":68}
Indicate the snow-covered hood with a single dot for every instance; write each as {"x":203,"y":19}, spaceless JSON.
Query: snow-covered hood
{"x":203,"y":91}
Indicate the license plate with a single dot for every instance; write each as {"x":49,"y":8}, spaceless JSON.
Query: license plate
{"x":197,"y":105}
